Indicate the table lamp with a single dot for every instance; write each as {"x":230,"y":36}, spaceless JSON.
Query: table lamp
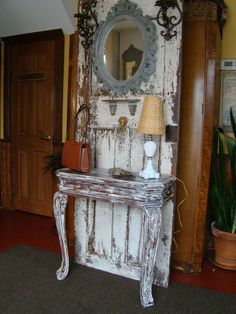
{"x":151,"y":123}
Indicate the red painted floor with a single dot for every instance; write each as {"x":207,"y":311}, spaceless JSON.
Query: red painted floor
{"x":39,"y":231}
{"x":211,"y":277}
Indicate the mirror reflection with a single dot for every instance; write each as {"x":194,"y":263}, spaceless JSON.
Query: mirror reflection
{"x":123,"y":50}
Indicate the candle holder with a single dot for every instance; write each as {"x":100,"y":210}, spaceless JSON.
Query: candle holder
{"x":166,"y":19}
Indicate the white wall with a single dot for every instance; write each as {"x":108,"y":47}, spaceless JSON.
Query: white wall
{"x":27,"y":16}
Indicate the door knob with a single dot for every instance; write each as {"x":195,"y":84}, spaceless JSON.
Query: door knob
{"x":46,"y":138}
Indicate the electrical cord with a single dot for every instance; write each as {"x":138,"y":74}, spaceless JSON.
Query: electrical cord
{"x":178,"y":214}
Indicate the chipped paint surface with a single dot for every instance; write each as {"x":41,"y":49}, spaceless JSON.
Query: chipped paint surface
{"x":135,"y":192}
{"x":109,"y":237}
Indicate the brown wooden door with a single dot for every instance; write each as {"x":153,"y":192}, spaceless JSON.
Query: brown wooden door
{"x":32,"y":103}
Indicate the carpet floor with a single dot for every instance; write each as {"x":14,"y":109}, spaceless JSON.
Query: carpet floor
{"x":28,"y":285}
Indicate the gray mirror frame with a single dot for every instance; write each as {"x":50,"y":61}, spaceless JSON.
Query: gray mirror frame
{"x":125,"y":10}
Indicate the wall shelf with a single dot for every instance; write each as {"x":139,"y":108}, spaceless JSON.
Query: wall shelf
{"x":132,"y":104}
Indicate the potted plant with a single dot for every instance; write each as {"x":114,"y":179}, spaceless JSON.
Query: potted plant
{"x":223,"y":196}
{"x":52,"y":163}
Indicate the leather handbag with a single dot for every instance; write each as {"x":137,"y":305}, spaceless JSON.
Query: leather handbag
{"x":76,"y":155}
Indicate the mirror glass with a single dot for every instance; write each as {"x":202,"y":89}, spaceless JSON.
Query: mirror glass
{"x":123,"y":50}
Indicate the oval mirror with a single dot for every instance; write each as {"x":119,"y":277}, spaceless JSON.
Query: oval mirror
{"x":124,"y":51}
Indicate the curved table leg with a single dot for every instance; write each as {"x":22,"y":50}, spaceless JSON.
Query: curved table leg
{"x":59,"y":206}
{"x":151,"y":233}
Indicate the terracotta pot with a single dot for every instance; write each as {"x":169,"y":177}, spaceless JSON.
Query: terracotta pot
{"x":225,"y":248}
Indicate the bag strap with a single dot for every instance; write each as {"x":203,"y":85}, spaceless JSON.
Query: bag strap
{"x":81,"y":108}
{"x":84,"y":127}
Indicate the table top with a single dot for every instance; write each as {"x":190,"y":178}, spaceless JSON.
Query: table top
{"x":98,"y":175}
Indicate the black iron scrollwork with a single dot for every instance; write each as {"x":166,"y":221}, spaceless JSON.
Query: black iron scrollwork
{"x":165,"y":19}
{"x":222,"y":14}
{"x":87,"y":22}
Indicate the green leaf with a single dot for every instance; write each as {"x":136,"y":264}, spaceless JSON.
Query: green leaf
{"x":52,"y":163}
{"x":233,"y":123}
{"x":223,"y":182}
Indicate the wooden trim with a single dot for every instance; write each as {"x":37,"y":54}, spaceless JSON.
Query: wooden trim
{"x":71,"y":127}
{"x":197,"y":120}
{"x":200,"y":9}
{"x":211,"y":111}
{"x":72,"y":86}
{"x":58,"y":97}
{"x":1,"y":87}
{"x":5,"y":175}
{"x":33,"y":37}
{"x":7,"y":94}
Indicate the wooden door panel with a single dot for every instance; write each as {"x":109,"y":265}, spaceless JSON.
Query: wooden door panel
{"x":5,"y":177}
{"x":23,"y":175}
{"x":32,"y":121}
{"x":32,"y":195}
{"x":42,"y":190}
{"x":33,"y":84}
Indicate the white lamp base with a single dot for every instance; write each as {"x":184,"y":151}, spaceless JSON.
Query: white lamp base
{"x":149,"y":172}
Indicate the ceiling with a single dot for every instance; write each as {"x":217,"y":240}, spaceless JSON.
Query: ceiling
{"x":27,"y":16}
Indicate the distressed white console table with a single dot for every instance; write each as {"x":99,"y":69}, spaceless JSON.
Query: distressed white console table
{"x":149,"y":195}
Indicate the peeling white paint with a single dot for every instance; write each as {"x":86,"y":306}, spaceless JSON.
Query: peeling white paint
{"x":111,"y":239}
{"x":166,"y":155}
